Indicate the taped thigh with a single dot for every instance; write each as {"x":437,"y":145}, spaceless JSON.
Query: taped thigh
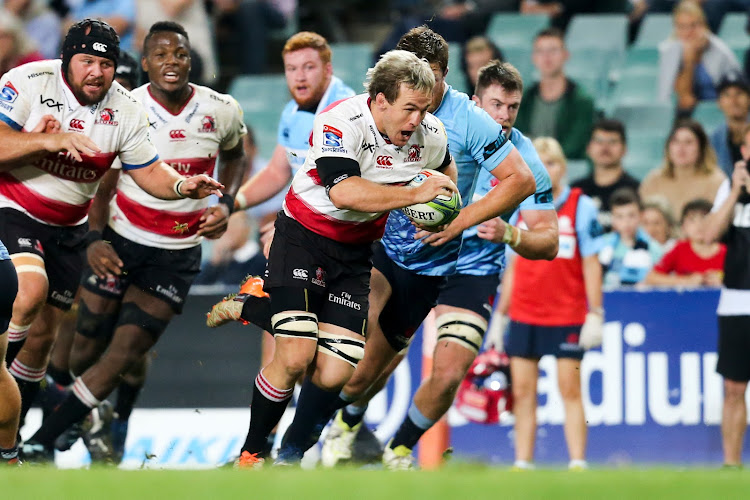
{"x":95,"y":326}
{"x":28,"y":262}
{"x":340,"y":346}
{"x":462,"y":328}
{"x":295,"y":324}
{"x":131,"y":314}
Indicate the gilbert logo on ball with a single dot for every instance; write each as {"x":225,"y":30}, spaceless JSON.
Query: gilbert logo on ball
{"x":441,"y":210}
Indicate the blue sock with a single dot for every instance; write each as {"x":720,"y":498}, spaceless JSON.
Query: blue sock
{"x":412,"y":428}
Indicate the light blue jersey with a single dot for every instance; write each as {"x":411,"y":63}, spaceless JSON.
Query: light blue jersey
{"x":3,"y":252}
{"x":475,"y":140}
{"x":480,"y":257}
{"x":296,"y":125}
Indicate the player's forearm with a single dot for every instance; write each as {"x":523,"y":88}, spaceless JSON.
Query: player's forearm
{"x":592,"y":281}
{"x":356,"y":193}
{"x":540,"y":242}
{"x":716,"y":223}
{"x":18,"y":148}
{"x":263,"y":186}
{"x":663,"y":279}
{"x":158,"y":179}
{"x":99,"y":212}
{"x":231,"y":170}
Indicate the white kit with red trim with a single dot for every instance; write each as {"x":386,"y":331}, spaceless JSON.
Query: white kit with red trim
{"x":117,"y":125}
{"x":347,"y":130}
{"x":190,"y":141}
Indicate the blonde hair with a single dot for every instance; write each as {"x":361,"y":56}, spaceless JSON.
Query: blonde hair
{"x":551,"y":148}
{"x":397,"y":67}
{"x":660,"y":203}
{"x":308,"y":40}
{"x":690,"y":7}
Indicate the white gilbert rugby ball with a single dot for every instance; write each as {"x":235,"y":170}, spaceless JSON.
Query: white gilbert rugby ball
{"x":442,"y":210}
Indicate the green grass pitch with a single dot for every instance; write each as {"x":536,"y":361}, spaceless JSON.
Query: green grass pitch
{"x":452,"y":482}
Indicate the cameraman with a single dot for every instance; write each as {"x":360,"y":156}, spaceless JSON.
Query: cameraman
{"x":730,"y":219}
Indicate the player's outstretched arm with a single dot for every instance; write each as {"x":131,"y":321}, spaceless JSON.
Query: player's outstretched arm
{"x":162,"y":181}
{"x":356,"y":193}
{"x":717,"y":222}
{"x":17,"y":148}
{"x":267,"y":183}
{"x":539,"y":241}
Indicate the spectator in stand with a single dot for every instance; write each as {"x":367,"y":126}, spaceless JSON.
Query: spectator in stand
{"x":606,"y":150}
{"x":689,"y":170}
{"x":15,"y":47}
{"x":628,"y":252}
{"x":477,"y":53}
{"x":693,"y":61}
{"x":120,"y":14}
{"x":734,"y":101}
{"x":657,"y":221}
{"x":41,"y":24}
{"x":556,"y":106}
{"x":562,"y":11}
{"x":693,"y":261}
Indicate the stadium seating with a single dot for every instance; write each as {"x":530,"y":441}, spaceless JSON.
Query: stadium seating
{"x":635,"y":89}
{"x":577,"y":169}
{"x":645,"y":151}
{"x":351,"y":62}
{"x":520,"y":57}
{"x":261,"y":97}
{"x":515,"y":30}
{"x":709,"y":115}
{"x":732,"y":30}
{"x":605,"y":32}
{"x":647,"y":117}
{"x":654,"y":29}
{"x":456,"y":77}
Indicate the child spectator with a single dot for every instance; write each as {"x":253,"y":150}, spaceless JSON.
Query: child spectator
{"x":628,"y":252}
{"x":657,"y":221}
{"x":692,"y":261}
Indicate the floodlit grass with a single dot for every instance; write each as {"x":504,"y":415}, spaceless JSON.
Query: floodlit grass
{"x":452,"y":482}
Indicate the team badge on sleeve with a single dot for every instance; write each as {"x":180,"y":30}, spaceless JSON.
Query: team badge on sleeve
{"x":332,"y":137}
{"x":8,"y":93}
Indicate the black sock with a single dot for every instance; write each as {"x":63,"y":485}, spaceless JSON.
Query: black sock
{"x":314,"y":410}
{"x":257,"y":310}
{"x":126,"y":396}
{"x":412,"y":428}
{"x":13,"y":349}
{"x":72,"y":410}
{"x":60,"y":376}
{"x":9,"y":455}
{"x":266,"y":410}
{"x":352,"y":415}
{"x":28,"y":390}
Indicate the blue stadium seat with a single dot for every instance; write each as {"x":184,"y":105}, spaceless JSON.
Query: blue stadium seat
{"x":265,"y":125}
{"x":260,"y":92}
{"x":642,"y":61}
{"x":598,"y":31}
{"x":708,"y":114}
{"x":577,"y":169}
{"x":654,"y":29}
{"x":732,"y":30}
{"x":515,"y":30}
{"x":351,"y":62}
{"x":646,"y":119}
{"x":456,"y":77}
{"x":645,"y":151}
{"x":520,"y":57}
{"x":635,"y":89}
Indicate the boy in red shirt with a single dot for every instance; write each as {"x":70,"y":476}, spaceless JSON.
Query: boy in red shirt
{"x":692,"y":262}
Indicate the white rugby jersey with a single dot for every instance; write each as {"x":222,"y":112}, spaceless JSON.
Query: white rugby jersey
{"x":347,"y":130}
{"x":56,"y":189}
{"x":189,"y":141}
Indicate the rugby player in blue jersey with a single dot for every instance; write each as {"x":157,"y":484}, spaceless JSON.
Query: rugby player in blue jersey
{"x":408,"y":271}
{"x":464,"y":303}
{"x":10,"y":397}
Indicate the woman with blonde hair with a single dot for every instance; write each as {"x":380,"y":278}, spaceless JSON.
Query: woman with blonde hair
{"x":689,"y":170}
{"x":693,"y":61}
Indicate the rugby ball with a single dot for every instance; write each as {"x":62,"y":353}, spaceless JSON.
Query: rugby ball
{"x":441,"y":210}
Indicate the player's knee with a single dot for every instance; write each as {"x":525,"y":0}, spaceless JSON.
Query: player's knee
{"x":347,"y":349}
{"x":467,"y":330}
{"x":570,"y":390}
{"x":448,"y":379}
{"x":131,"y":314}
{"x":734,"y":391}
{"x":95,"y":326}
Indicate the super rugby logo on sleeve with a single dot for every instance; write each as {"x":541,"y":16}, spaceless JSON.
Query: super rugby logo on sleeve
{"x":8,"y":93}
{"x":332,"y":140}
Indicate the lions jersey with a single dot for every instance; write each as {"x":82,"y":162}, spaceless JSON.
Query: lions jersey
{"x":475,"y":140}
{"x":295,"y":124}
{"x":190,"y":142}
{"x":347,"y":130}
{"x":480,"y":257}
{"x":56,"y":189}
